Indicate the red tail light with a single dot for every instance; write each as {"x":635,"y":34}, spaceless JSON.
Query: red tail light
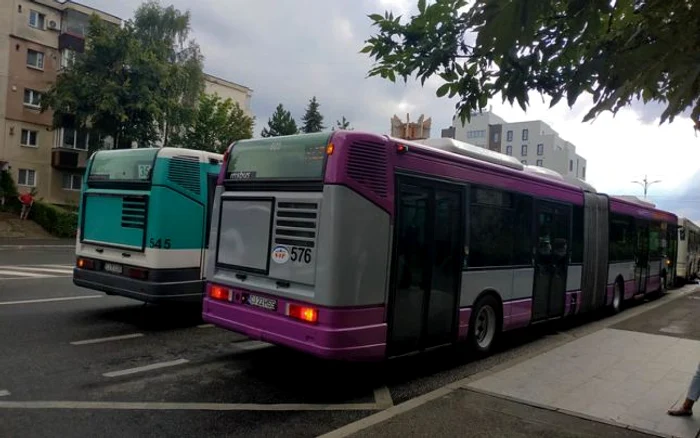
{"x":139,"y":274}
{"x":304,"y":313}
{"x":220,"y":293}
{"x":85,"y":263}
{"x":224,"y":165}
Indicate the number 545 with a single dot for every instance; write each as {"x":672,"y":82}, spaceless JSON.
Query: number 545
{"x":159,"y":243}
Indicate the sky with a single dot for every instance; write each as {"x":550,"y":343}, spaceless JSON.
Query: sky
{"x":288,"y":51}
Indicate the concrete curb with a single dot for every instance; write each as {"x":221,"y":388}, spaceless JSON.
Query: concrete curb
{"x":578,"y":332}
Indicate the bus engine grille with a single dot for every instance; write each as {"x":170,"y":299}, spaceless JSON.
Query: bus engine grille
{"x":295,"y":223}
{"x":134,"y":212}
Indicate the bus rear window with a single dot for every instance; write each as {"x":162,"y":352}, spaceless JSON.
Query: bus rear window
{"x":297,"y":157}
{"x":127,"y":165}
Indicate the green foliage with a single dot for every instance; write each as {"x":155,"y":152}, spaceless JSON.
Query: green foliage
{"x":313,"y":120}
{"x":217,"y":124}
{"x":8,"y":190}
{"x":342,"y":125}
{"x":281,"y":123}
{"x":54,"y":219}
{"x":618,"y":52}
{"x":132,"y":83}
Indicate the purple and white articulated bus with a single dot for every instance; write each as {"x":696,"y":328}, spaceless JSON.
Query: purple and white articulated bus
{"x":356,"y":246}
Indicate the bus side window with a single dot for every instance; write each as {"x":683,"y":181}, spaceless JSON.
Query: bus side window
{"x":211,"y":190}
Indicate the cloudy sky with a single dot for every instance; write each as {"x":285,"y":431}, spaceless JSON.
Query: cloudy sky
{"x":290,"y":50}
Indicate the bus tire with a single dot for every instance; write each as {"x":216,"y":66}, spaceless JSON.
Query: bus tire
{"x":618,"y":298}
{"x":485,"y":324}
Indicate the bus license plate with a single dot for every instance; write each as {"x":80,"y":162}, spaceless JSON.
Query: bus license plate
{"x":262,"y":302}
{"x":113,"y":268}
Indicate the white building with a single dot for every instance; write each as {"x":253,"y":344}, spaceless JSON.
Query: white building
{"x":532,"y":142}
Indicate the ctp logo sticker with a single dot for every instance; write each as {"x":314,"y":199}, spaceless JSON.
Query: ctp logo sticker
{"x":280,"y":254}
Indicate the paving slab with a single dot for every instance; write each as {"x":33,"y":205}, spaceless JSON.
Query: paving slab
{"x":466,"y":414}
{"x":619,"y":376}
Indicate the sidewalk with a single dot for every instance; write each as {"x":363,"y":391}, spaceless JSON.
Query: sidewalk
{"x":18,"y":234}
{"x":614,"y":381}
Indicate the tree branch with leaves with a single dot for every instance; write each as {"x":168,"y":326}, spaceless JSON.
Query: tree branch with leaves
{"x":618,"y":52}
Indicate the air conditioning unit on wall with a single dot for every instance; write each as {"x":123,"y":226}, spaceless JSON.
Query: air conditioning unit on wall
{"x":53,"y":25}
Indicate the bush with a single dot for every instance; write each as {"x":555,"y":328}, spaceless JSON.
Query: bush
{"x":8,"y":190}
{"x":55,"y":220}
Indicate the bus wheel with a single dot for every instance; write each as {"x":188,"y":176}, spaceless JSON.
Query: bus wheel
{"x":617,"y":298}
{"x":485,"y":324}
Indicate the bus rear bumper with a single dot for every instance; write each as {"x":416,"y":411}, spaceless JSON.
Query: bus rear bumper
{"x":147,"y":291}
{"x":341,"y":341}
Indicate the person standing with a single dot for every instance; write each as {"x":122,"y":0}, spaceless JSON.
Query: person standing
{"x":686,"y":409}
{"x":27,"y":201}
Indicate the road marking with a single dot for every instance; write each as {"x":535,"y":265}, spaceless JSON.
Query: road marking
{"x":49,"y":300}
{"x":108,"y":339}
{"x":20,"y":274}
{"x":153,"y":366}
{"x":185,"y":406}
{"x":253,"y":345}
{"x":4,"y":392}
{"x":382,"y":397}
{"x":50,"y":270}
{"x":205,"y":326}
{"x":25,"y":272}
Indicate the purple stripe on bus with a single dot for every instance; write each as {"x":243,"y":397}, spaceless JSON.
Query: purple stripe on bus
{"x":348,"y":343}
{"x":653,"y":284}
{"x":465,"y":314}
{"x":609,"y":294}
{"x":631,"y":288}
{"x":517,"y":314}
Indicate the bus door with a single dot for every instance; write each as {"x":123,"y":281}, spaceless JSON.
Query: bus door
{"x":426,"y":265}
{"x":553,"y":228}
{"x":641,"y":265}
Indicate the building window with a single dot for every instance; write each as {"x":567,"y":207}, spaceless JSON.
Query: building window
{"x":27,"y":177}
{"x":29,"y":138}
{"x":509,"y":150}
{"x":32,"y":98}
{"x":67,"y":58}
{"x":72,"y":181}
{"x":571,"y":165}
{"x":509,"y":136}
{"x":524,"y":162}
{"x":476,"y":134}
{"x":540,"y":149}
{"x":525,"y":133}
{"x":523,"y":150}
{"x":36,"y":19}
{"x":35,"y":59}
{"x":583,"y":172}
{"x":539,"y":163}
{"x":69,"y":138}
{"x":496,"y":137}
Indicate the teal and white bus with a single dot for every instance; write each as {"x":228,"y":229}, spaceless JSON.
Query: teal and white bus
{"x":144,"y":223}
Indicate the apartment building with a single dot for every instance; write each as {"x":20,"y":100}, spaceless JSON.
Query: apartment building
{"x":37,"y":39}
{"x":532,"y":142}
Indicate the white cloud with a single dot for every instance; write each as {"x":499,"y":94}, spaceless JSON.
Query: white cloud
{"x":291,"y":50}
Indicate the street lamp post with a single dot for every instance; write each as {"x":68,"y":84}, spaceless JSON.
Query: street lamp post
{"x":646,"y":183}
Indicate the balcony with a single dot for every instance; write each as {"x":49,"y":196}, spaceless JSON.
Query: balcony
{"x":71,"y":41}
{"x":68,"y":159}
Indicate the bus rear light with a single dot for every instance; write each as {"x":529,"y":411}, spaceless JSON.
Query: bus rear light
{"x":85,"y":264}
{"x":307,"y":314}
{"x":401,"y":148}
{"x":224,"y":166}
{"x":220,"y":293}
{"x":330,"y":148}
{"x":139,"y":274}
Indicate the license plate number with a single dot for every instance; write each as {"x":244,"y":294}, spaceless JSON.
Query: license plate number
{"x":262,"y":302}
{"x":113,"y":268}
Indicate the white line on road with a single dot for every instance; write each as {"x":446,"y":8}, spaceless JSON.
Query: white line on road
{"x":252,"y":345}
{"x":205,"y":326}
{"x":21,"y":273}
{"x":382,"y":397}
{"x":108,"y":339}
{"x":153,"y":366}
{"x":4,"y":392}
{"x":49,"y":300}
{"x":186,"y":406}
{"x":49,"y":270}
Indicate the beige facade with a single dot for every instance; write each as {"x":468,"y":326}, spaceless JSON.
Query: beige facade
{"x":227,"y":89}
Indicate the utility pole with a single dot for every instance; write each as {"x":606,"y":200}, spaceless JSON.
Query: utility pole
{"x":646,"y":183}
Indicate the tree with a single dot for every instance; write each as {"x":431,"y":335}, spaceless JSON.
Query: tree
{"x":342,"y":125}
{"x":618,"y":51}
{"x":217,"y":123}
{"x":313,"y":120}
{"x":138,"y":82}
{"x":281,"y":123}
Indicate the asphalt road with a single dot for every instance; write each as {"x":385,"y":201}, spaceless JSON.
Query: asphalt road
{"x":162,"y":372}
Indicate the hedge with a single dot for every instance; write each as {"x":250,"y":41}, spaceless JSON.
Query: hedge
{"x":55,"y":220}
